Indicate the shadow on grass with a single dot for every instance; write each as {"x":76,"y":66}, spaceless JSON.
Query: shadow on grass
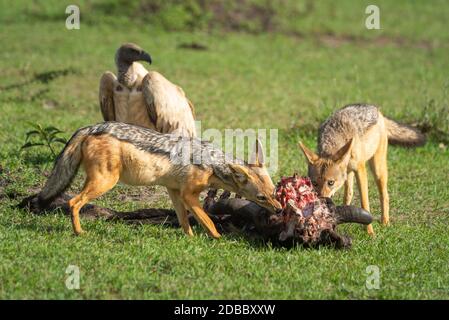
{"x":43,"y":77}
{"x":154,"y":216}
{"x":229,"y":224}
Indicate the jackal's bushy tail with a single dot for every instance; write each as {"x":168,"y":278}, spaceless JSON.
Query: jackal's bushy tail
{"x":65,"y":168}
{"x":404,"y":135}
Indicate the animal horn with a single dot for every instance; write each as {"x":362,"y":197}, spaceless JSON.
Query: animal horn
{"x":352,"y":214}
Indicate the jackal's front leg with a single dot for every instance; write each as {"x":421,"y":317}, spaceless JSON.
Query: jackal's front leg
{"x":181,"y":211}
{"x":379,"y":168}
{"x":194,"y":205}
{"x":349,"y":188}
{"x":362,"y":183}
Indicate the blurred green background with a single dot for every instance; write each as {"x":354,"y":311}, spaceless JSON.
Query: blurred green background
{"x":410,"y":19}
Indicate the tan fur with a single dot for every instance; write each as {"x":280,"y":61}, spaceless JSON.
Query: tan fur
{"x":403,"y":135}
{"x":344,"y":157}
{"x":107,"y":160}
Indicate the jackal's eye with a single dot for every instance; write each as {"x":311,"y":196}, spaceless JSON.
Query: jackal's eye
{"x":261,"y":197}
{"x":330,"y":183}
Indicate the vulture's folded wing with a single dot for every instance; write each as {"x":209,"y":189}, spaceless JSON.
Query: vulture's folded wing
{"x":149,"y":99}
{"x":167,"y":106}
{"x":192,"y":107}
{"x":107,"y":96}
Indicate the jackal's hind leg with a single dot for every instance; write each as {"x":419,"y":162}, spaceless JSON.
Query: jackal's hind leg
{"x":380,"y":171}
{"x":95,"y":186}
{"x":181,"y":211}
{"x":349,"y":188}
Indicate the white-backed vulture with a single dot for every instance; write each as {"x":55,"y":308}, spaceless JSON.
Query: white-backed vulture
{"x":145,"y":98}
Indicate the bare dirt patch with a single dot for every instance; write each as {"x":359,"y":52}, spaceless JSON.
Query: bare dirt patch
{"x":142,"y":194}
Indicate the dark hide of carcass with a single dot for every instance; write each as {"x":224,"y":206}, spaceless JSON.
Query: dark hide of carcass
{"x":306,"y":219}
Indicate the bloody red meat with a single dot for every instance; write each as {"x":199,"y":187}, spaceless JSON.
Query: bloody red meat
{"x":305,"y":214}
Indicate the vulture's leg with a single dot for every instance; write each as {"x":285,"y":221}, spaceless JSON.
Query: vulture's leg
{"x":181,"y":211}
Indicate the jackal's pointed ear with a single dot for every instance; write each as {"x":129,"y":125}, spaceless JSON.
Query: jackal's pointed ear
{"x":344,"y":154}
{"x":257,"y":158}
{"x":311,"y":156}
{"x":239,"y":173}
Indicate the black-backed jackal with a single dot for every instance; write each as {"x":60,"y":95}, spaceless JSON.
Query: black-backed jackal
{"x":114,"y":151}
{"x":346,"y":140}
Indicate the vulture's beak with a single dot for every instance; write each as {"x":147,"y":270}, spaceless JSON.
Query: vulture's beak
{"x":145,"y":57}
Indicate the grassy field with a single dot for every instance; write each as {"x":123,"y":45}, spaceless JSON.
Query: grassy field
{"x":285,"y":80}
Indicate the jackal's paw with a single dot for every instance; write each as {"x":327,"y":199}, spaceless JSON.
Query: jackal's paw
{"x":80,"y":232}
{"x":385,"y":222}
{"x":370,"y":231}
{"x":215,"y":235}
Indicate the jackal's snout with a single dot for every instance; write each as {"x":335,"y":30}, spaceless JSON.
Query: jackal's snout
{"x":272,"y":204}
{"x":277,"y":205}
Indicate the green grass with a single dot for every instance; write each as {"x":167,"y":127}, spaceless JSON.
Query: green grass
{"x":259,"y":81}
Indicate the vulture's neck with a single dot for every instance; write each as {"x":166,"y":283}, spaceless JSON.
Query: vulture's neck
{"x":126,"y":74}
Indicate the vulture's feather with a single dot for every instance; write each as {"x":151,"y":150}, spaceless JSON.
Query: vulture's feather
{"x":107,"y":96}
{"x":167,"y":105}
{"x":144,"y":98}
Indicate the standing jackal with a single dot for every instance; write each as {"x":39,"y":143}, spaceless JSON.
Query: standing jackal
{"x":346,"y":140}
{"x":114,"y":151}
